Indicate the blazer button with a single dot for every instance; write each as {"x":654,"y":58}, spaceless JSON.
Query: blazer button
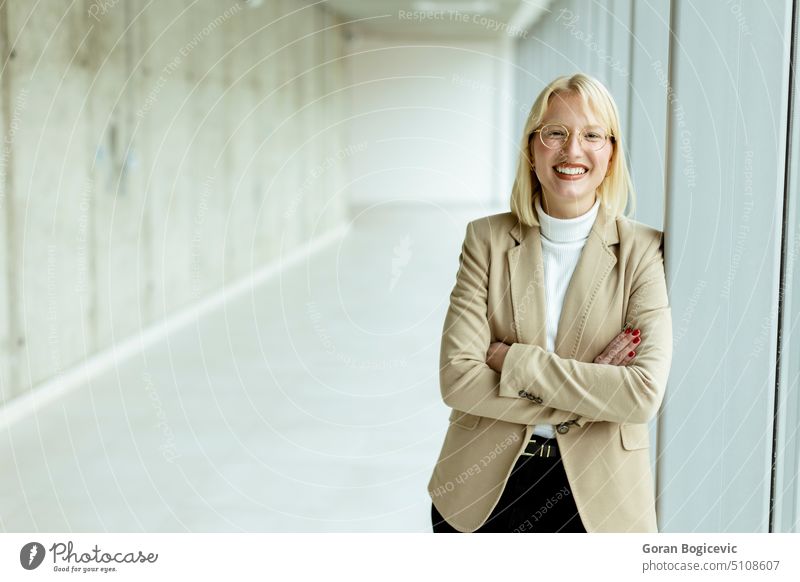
{"x":522,"y":394}
{"x":563,"y":428}
{"x":537,"y":400}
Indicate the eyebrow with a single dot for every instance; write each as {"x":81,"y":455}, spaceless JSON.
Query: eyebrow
{"x":545,"y":122}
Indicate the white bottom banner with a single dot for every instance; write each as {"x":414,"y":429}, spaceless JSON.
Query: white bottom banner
{"x":265,"y":556}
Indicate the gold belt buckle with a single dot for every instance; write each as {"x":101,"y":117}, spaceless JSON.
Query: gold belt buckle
{"x":544,"y":451}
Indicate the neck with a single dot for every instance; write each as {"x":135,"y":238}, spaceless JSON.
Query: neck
{"x":566,"y":230}
{"x":571,"y":210}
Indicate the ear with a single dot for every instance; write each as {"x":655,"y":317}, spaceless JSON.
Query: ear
{"x":610,"y":160}
{"x":530,"y":153}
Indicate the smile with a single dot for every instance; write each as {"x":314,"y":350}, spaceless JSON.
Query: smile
{"x":570,"y":171}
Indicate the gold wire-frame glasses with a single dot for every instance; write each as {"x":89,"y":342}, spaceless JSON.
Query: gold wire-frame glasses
{"x":554,"y":136}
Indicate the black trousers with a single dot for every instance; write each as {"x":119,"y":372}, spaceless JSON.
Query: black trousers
{"x":536,"y":498}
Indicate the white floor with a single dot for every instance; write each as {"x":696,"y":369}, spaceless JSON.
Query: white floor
{"x":312,"y":405}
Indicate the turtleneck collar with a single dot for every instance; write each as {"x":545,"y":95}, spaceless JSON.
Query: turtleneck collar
{"x":563,"y":230}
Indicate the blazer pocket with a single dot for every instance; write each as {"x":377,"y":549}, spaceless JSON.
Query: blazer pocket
{"x":464,"y":420}
{"x":634,"y":436}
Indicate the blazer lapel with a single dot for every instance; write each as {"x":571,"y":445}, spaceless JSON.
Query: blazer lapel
{"x":527,"y":285}
{"x":526,"y":271}
{"x":594,"y":266}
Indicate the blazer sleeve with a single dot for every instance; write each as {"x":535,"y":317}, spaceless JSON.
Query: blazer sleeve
{"x":631,"y":393}
{"x":467,"y":383}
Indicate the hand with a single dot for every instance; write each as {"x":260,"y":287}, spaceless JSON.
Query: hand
{"x":496,"y":355}
{"x":618,"y":352}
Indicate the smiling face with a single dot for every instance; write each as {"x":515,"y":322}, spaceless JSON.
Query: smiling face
{"x":566,"y":195}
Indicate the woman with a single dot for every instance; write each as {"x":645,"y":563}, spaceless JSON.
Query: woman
{"x":558,"y":340}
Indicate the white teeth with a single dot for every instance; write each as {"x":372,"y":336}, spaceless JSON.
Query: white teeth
{"x":570,"y":171}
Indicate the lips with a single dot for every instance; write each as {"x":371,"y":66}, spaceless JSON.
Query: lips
{"x":574,"y":169}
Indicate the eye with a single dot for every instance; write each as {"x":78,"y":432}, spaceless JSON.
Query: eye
{"x":554,"y":132}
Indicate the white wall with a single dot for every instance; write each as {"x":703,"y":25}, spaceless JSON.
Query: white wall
{"x":430,"y":117}
{"x":152,"y":155}
{"x":726,"y":166}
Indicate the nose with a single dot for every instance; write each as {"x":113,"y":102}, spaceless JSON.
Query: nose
{"x":573,"y":144}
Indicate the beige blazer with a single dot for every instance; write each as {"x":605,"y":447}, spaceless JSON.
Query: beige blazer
{"x":499,"y":295}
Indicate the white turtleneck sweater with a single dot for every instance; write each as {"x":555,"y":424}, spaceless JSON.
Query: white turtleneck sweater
{"x":562,"y":243}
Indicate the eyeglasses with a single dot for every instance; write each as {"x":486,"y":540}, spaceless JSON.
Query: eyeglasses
{"x":555,"y":136}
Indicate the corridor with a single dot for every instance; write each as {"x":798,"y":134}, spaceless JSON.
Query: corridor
{"x":309,"y":404}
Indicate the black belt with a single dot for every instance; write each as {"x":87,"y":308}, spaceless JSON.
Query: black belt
{"x":542,"y":447}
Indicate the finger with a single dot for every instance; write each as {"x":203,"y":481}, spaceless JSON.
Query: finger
{"x":616,"y":359}
{"x":636,"y":341}
{"x":623,"y":359}
{"x":619,"y":357}
{"x":621,"y":339}
{"x":617,"y":349}
{"x":614,"y":346}
{"x":633,"y":338}
{"x":622,"y":348}
{"x":633,"y":345}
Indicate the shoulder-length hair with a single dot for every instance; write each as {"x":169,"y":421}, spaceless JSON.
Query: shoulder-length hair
{"x":616,"y":188}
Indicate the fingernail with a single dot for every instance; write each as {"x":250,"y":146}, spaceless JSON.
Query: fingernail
{"x":636,"y":340}
{"x":635,"y":332}
{"x":631,"y":354}
{"x":627,"y":330}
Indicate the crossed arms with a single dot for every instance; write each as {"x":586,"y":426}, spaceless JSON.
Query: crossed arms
{"x":568,"y":388}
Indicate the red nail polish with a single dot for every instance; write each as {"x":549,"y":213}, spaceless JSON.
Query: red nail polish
{"x":631,"y":354}
{"x":636,"y":340}
{"x":627,"y":330}
{"x":635,"y":332}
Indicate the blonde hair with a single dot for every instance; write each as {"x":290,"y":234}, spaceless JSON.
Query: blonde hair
{"x":616,"y":188}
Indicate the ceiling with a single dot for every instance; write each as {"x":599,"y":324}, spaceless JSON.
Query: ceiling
{"x":475,"y":19}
